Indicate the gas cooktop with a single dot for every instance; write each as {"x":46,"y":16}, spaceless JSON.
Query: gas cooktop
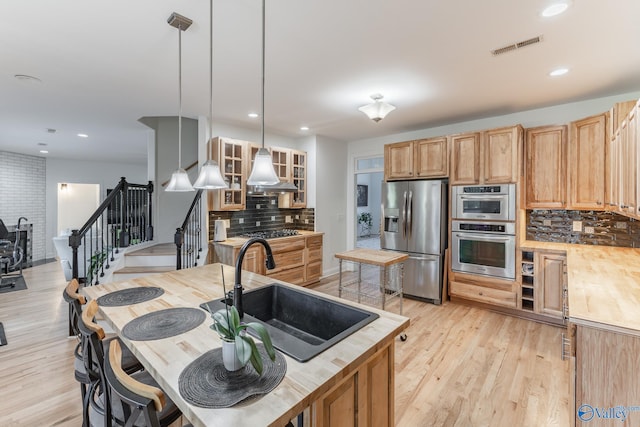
{"x":272,"y":234}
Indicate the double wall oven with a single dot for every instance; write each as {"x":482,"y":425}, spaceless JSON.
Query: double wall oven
{"x":483,"y":237}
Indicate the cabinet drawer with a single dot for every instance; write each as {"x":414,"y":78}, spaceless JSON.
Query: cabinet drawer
{"x":314,"y":241}
{"x":314,"y":271}
{"x":286,"y":244}
{"x":286,"y":260}
{"x":314,"y":254}
{"x":291,"y":275}
{"x":483,"y":294}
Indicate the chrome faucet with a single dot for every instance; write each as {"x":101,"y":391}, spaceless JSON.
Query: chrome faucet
{"x":237,"y":287}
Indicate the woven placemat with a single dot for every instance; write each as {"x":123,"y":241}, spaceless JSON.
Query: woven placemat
{"x":163,"y":324}
{"x":206,"y":383}
{"x":129,"y":296}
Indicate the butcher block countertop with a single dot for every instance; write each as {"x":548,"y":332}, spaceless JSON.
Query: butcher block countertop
{"x":373,"y":256}
{"x":303,"y":383}
{"x":603,"y":284}
{"x":238,"y":241}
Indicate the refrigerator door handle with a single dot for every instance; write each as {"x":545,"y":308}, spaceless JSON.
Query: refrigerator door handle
{"x":409,"y":214}
{"x":404,"y":215}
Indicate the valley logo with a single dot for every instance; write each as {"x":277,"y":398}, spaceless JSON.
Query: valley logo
{"x":620,"y":412}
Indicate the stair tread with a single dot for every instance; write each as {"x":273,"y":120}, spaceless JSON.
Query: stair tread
{"x":145,"y":269}
{"x":159,"y":249}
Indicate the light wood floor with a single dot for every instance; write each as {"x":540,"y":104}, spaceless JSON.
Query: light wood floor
{"x":461,"y":366}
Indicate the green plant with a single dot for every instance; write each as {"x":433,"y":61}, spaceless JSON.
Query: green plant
{"x":227,"y":324}
{"x":95,"y":263}
{"x":365,"y":218}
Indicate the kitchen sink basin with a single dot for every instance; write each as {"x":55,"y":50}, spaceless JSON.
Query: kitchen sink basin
{"x":301,"y":325}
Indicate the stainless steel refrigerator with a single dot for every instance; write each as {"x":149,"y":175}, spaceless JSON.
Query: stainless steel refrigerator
{"x":414,"y":220}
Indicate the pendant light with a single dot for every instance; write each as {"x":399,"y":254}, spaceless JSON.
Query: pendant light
{"x":179,"y":179}
{"x":210,"y":177}
{"x":263,"y":172}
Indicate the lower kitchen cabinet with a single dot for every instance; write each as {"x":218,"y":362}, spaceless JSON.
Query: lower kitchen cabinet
{"x":550,"y":282}
{"x":606,"y":380}
{"x":484,"y":289}
{"x":364,"y":398}
{"x":298,"y":259}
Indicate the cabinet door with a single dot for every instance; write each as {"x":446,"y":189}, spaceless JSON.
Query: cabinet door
{"x":431,"y":158}
{"x":636,"y":132}
{"x":502,"y":153}
{"x":253,"y":260}
{"x":398,"y":160}
{"x":549,"y":280}
{"x":231,"y":155}
{"x":586,"y":163}
{"x":281,"y":159}
{"x":299,"y":178}
{"x":545,"y":165}
{"x":465,"y":159}
{"x":632,"y":162}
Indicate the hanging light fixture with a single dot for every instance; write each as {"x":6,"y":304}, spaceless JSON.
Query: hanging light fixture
{"x":210,"y":177}
{"x":377,"y":110}
{"x":179,"y":179}
{"x":263,"y":172}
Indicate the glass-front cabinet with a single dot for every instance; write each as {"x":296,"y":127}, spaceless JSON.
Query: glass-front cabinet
{"x":299,"y":172}
{"x":231,"y":155}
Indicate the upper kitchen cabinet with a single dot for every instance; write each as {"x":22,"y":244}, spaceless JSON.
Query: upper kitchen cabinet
{"x":465,"y":158}
{"x":586,"y":165}
{"x":489,"y":157}
{"x":545,"y":167}
{"x":231,"y":155}
{"x":281,"y":159}
{"x":424,"y":158}
{"x":297,"y":174}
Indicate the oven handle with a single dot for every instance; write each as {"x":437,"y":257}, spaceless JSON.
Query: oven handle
{"x":404,"y":215}
{"x":487,"y":196}
{"x":484,"y":237}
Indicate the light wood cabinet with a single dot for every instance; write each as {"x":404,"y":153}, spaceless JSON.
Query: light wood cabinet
{"x":502,"y":155}
{"x":363,"y":398}
{"x":465,"y":158}
{"x":485,"y":289}
{"x":635,"y":131}
{"x":489,"y":157}
{"x":297,"y":174}
{"x":298,"y":259}
{"x":631,"y":176}
{"x":231,"y":155}
{"x":545,"y":167}
{"x":420,"y":159}
{"x":550,"y":282}
{"x":586,"y":167}
{"x":605,"y":365}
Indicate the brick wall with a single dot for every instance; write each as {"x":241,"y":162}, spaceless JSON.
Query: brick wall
{"x":22,"y":193}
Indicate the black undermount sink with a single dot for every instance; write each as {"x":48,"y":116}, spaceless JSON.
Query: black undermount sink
{"x":301,"y":325}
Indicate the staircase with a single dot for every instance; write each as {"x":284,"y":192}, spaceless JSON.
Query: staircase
{"x":158,"y":258}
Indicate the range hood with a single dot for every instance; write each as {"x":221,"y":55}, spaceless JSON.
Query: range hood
{"x":262,"y":190}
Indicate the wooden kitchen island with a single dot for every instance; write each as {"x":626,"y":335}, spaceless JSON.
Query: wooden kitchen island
{"x":603,"y":332}
{"x":351,"y":383}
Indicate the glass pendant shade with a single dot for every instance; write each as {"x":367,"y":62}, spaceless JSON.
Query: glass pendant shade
{"x":263,"y":172}
{"x":210,"y":177}
{"x":179,"y":181}
{"x":377,"y":110}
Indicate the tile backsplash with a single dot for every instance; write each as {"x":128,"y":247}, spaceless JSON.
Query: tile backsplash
{"x":609,"y":229}
{"x":262,"y":214}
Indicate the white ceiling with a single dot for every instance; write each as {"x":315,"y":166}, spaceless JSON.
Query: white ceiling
{"x":105,"y":64}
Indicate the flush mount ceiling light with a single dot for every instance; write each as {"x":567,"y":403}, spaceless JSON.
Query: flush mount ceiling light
{"x":555,"y":9}
{"x":210,"y":177}
{"x":179,"y":179}
{"x":559,"y":72}
{"x":263,"y":172}
{"x":377,"y":110}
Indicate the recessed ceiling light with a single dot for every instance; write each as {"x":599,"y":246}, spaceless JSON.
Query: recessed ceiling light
{"x":44,"y":151}
{"x":304,"y":127}
{"x":555,"y":9}
{"x":253,"y":115}
{"x":83,"y":135}
{"x":559,"y":72}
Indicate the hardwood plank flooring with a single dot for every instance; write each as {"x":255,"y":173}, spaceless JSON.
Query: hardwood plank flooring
{"x":460,"y":366}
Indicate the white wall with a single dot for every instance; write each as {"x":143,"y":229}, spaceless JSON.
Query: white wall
{"x":331,"y":199}
{"x":373,"y":181}
{"x":76,"y":204}
{"x":106,"y":175}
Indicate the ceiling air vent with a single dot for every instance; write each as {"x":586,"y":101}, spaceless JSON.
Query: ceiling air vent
{"x":517,"y":45}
